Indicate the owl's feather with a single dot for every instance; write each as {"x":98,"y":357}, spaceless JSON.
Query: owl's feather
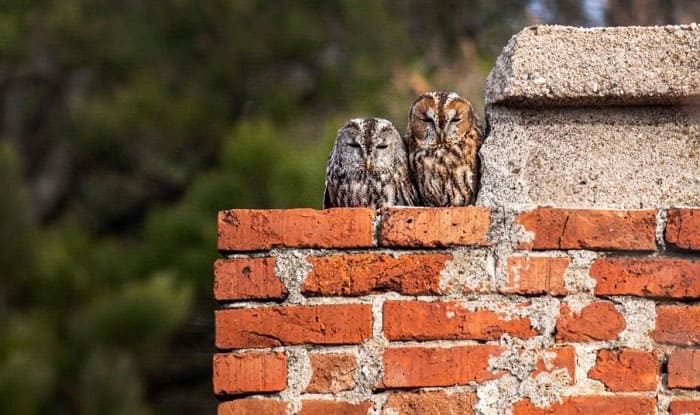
{"x":368,"y":167}
{"x":443,"y":139}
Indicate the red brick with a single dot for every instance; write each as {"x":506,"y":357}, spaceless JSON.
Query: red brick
{"x":243,"y":373}
{"x":430,"y":403}
{"x":434,"y":227}
{"x":529,"y":275}
{"x":647,"y":277}
{"x":253,"y":407}
{"x":254,"y":230}
{"x":411,"y":367}
{"x":334,"y":407}
{"x":684,"y":369}
{"x":685,"y":408}
{"x":557,"y":359}
{"x":626,"y":370}
{"x":361,"y":274}
{"x":247,"y":279}
{"x":590,"y":229}
{"x":596,"y":321}
{"x":280,"y":326}
{"x":420,"y":320}
{"x":591,"y":405}
{"x":331,"y":372}
{"x":683,"y":228}
{"x":677,"y":325}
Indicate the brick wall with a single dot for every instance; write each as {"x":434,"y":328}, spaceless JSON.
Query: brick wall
{"x":458,"y":311}
{"x":587,"y":305}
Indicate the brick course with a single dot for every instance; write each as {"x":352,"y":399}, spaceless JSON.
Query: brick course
{"x":434,"y":227}
{"x":361,"y":274}
{"x":410,"y":367}
{"x":677,"y":324}
{"x":430,"y":403}
{"x":242,"y":373}
{"x":597,"y":321}
{"x":626,"y":370}
{"x":589,"y":229}
{"x":591,"y":405}
{"x":683,"y":229}
{"x":647,"y":277}
{"x":254,"y":230}
{"x":318,"y":407}
{"x":247,"y":279}
{"x":253,"y":407}
{"x":287,"y":325}
{"x":684,"y":369}
{"x":332,"y":372}
{"x":536,"y":275}
{"x":418,"y":320}
{"x":685,"y":407}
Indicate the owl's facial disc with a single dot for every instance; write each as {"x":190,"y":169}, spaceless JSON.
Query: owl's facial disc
{"x":429,"y":124}
{"x":429,"y":116}
{"x":385,"y":137}
{"x":351,"y":137}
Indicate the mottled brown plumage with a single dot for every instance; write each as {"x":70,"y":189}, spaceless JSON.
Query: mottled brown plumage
{"x":443,"y":139}
{"x":368,"y":167}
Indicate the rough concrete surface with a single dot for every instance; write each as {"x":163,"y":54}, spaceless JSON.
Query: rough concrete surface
{"x":558,"y":65}
{"x":606,"y":157}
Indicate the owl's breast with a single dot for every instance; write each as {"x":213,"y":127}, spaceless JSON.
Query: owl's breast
{"x":444,"y":174}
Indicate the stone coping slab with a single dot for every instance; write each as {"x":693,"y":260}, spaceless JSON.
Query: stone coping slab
{"x":568,"y":66}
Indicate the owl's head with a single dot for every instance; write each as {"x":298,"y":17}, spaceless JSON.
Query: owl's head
{"x":438,"y":119}
{"x":368,"y":144}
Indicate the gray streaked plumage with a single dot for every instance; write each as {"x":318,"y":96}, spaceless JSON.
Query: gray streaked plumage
{"x":443,"y":139}
{"x":368,"y":167}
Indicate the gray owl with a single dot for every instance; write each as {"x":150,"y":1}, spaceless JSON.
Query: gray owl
{"x":443,"y":139}
{"x":368,"y":167}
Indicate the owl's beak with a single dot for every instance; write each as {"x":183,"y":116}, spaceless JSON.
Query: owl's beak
{"x":368,"y":164}
{"x":441,"y":136}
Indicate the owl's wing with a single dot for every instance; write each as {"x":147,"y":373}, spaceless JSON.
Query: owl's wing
{"x":326,"y":197}
{"x":411,"y":195}
{"x":407,"y":189}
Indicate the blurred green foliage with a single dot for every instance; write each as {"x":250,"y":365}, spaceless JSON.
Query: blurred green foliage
{"x":126,"y":125}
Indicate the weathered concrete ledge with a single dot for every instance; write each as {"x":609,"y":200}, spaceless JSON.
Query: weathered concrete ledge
{"x":594,"y":118}
{"x":558,"y":65}
{"x":610,"y":157}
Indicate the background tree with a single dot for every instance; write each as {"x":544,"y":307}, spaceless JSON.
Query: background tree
{"x":124,"y":127}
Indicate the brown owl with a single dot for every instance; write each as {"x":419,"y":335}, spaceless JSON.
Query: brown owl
{"x":443,"y":139}
{"x":368,"y":167}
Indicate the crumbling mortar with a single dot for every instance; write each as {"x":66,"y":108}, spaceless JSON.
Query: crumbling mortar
{"x":291,"y":267}
{"x":661,"y":222}
{"x":231,"y":305}
{"x":298,"y":376}
{"x":519,"y":360}
{"x":376,"y":228}
{"x":577,"y":277}
{"x":243,"y":255}
{"x":442,"y":343}
{"x":468,"y":269}
{"x":640,"y":319}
